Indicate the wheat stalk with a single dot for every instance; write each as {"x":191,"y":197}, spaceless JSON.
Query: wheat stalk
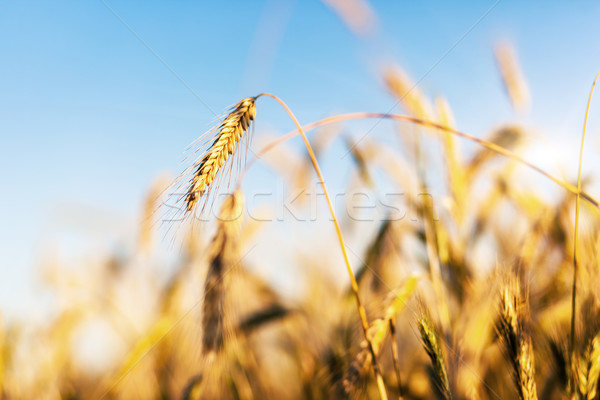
{"x":579,"y":195}
{"x":517,"y":343}
{"x":354,"y":284}
{"x":397,"y":117}
{"x":230,"y":132}
{"x":395,"y":358}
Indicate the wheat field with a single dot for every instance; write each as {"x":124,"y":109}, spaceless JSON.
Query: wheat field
{"x":490,"y":292}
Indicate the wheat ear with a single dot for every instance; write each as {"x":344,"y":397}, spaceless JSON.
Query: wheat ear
{"x":517,"y":343}
{"x":229,"y":133}
{"x":223,"y":252}
{"x":512,"y":76}
{"x":593,"y":372}
{"x":588,"y":369}
{"x":432,"y":346}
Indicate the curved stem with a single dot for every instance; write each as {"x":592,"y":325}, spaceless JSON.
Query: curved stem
{"x":361,"y":310}
{"x":489,"y":145}
{"x":576,"y":233}
{"x":575,"y":189}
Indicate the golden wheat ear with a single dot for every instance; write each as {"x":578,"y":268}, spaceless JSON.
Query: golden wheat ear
{"x":229,"y":134}
{"x":517,"y":343}
{"x":589,"y":369}
{"x":431,"y":343}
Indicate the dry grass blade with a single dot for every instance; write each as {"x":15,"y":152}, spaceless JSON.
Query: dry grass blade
{"x":456,"y":171}
{"x":361,"y":163}
{"x":268,"y":315}
{"x":223,"y":252}
{"x":432,"y":346}
{"x":507,"y":137}
{"x":380,"y":327}
{"x":395,"y":358}
{"x":433,"y":259}
{"x":140,"y":350}
{"x":229,"y":133}
{"x":374,"y":252}
{"x":517,"y":343}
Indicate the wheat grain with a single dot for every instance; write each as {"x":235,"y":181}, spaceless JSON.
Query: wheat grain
{"x":230,"y":132}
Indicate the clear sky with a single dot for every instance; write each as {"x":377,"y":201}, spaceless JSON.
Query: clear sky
{"x":97,"y":98}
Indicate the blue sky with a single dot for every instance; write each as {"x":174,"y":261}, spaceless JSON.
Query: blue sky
{"x":97,"y":98}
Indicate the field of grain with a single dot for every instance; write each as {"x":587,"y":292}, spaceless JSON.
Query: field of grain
{"x":477,"y":284}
